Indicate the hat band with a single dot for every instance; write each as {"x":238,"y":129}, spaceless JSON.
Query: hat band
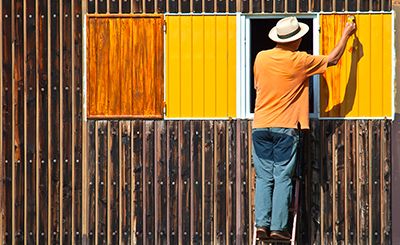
{"x":290,"y":34}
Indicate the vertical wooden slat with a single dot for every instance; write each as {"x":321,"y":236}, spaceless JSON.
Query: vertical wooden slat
{"x":197,"y":6}
{"x":113,"y":183}
{"x":208,"y":6}
{"x":54,"y":149}
{"x":184,"y":181}
{"x":77,"y":122}
{"x":137,"y":180}
{"x":102,"y":6}
{"x":30,"y":100}
{"x":136,"y":6}
{"x":386,"y":189}
{"x":125,"y":144}
{"x":114,"y":6}
{"x":18,"y":122}
{"x":3,"y":179}
{"x":208,"y":183}
{"x":102,"y":181}
{"x":326,"y":183}
{"x":12,"y":145}
{"x":149,"y":6}
{"x":351,"y":183}
{"x":362,"y":183}
{"x":161,"y":6}
{"x":126,"y":7}
{"x":220,"y":183}
{"x":91,"y":8}
{"x":243,"y":183}
{"x":161,"y":181}
{"x":148,"y":161}
{"x":231,"y":182}
{"x":7,"y":117}
{"x":221,"y":6}
{"x":92,"y":163}
{"x":172,"y":165}
{"x":375,"y":183}
{"x":196,"y":182}
{"x":245,"y":6}
{"x":66,"y":120}
{"x":339,"y":163}
{"x":268,"y":6}
{"x":248,"y":179}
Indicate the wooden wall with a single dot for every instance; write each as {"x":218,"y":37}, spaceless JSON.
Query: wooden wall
{"x":49,"y":194}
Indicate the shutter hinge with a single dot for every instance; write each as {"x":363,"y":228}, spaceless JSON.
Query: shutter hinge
{"x":165,"y":26}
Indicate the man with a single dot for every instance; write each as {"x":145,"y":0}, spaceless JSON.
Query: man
{"x":281,"y":110}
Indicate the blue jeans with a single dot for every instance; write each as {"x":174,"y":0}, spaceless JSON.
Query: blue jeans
{"x":274,"y":156}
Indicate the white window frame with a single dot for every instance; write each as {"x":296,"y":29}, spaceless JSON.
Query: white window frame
{"x":243,"y":60}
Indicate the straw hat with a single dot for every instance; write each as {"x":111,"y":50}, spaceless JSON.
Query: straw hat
{"x":287,"y":30}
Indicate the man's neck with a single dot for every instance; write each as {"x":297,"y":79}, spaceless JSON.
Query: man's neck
{"x":286,"y":46}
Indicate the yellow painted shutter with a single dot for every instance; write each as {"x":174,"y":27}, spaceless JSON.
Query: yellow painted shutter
{"x":201,"y":66}
{"x":125,"y":60}
{"x":360,"y":85}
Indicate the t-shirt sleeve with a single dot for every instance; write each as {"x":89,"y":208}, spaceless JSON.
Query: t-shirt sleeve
{"x":315,"y":64}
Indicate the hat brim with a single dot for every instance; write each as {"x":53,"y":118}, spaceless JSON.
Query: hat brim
{"x":273,"y":35}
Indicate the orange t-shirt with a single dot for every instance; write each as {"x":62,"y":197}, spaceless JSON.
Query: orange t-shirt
{"x":280,"y":80}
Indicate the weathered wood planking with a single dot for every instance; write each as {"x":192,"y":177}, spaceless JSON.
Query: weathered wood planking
{"x":151,"y":140}
{"x":19,"y":121}
{"x":137,"y":222}
{"x":184,"y":182}
{"x":66,"y":121}
{"x":30,"y":135}
{"x":172,"y":180}
{"x":196,"y":160}
{"x":7,"y":121}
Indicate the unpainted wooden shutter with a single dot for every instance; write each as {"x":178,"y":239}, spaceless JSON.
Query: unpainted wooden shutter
{"x":125,"y":66}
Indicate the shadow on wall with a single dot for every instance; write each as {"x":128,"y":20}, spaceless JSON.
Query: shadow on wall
{"x":346,"y":105}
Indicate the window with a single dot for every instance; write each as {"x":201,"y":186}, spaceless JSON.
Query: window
{"x":254,"y":36}
{"x":125,"y":66}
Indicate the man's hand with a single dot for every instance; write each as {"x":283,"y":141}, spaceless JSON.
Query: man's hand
{"x":337,"y":52}
{"x":349,"y":29}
